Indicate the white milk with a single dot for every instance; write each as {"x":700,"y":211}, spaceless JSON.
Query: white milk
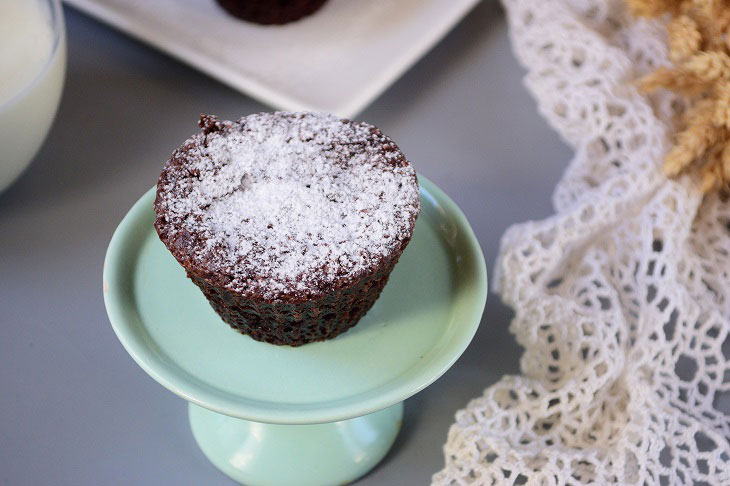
{"x":31,"y":78}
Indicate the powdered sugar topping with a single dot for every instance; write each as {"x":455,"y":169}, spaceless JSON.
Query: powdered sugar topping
{"x":288,"y":203}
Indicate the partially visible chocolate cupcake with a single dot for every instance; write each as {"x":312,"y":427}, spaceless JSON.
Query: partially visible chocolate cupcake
{"x":290,"y":223}
{"x":271,"y":11}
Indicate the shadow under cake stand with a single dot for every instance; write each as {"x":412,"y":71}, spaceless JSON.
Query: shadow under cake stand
{"x":323,"y":413}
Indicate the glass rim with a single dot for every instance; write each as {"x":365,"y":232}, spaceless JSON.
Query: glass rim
{"x":58,"y":29}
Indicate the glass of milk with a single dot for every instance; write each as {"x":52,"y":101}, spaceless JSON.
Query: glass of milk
{"x":32,"y":68}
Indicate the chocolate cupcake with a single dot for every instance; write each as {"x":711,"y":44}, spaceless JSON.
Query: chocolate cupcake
{"x":271,"y":11}
{"x":290,"y":223}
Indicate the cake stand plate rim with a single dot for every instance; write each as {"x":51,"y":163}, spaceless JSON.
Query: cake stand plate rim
{"x":124,"y":249}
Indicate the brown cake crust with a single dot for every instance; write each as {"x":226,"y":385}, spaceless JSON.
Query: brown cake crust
{"x":297,"y":323}
{"x":270,"y":12}
{"x":299,"y":312}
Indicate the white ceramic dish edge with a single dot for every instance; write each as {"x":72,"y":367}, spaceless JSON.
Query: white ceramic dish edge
{"x":405,"y":58}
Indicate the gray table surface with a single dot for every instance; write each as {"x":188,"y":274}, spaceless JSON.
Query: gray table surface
{"x":74,"y":408}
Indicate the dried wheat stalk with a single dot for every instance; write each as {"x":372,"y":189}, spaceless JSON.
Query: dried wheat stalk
{"x":699,"y":48}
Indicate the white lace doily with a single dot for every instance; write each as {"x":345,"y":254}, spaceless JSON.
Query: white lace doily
{"x":622,"y":298}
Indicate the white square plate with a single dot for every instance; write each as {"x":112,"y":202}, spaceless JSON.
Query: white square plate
{"x":337,"y":60}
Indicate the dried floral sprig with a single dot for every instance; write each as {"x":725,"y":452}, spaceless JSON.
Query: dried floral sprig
{"x":684,"y":38}
{"x":652,"y":8}
{"x":699,"y":47}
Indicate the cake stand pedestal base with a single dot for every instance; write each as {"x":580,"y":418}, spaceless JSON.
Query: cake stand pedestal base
{"x":332,"y":453}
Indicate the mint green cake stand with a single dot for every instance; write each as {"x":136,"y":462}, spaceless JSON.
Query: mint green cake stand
{"x":321,"y":414}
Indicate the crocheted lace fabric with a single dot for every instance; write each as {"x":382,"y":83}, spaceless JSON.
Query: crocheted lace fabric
{"x":622,"y":297}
